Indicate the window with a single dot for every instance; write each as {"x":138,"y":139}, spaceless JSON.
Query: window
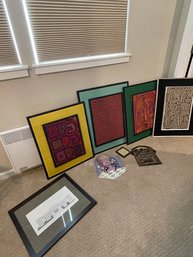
{"x":10,"y":61}
{"x":77,"y":33}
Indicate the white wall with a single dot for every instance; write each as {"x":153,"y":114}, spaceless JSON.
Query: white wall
{"x":4,"y":161}
{"x":183,"y":41}
{"x":149,"y":30}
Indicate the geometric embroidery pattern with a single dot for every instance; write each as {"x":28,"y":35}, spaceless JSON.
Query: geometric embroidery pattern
{"x":107,"y":117}
{"x":64,"y":139}
{"x":143,"y":111}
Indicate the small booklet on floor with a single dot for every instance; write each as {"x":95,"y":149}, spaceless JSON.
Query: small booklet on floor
{"x":110,"y":167}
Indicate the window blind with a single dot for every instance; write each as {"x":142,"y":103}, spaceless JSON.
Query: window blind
{"x":8,"y":55}
{"x":64,"y":29}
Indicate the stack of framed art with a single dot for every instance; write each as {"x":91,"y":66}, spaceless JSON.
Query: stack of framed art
{"x":111,"y":115}
{"x":105,"y":117}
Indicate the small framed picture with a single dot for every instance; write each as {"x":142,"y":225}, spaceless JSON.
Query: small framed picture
{"x":43,"y":218}
{"x":123,"y":152}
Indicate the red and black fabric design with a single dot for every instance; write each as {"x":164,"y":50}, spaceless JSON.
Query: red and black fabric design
{"x":107,"y":118}
{"x":64,"y":139}
{"x":143,"y":111}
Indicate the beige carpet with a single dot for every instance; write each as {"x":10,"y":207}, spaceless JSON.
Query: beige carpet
{"x":147,"y":212}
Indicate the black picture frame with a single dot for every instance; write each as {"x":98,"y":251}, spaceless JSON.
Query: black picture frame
{"x":164,"y":85}
{"x":123,"y":152}
{"x":73,"y":201}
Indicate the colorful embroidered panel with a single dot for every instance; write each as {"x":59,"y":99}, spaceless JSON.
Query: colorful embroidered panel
{"x":103,"y":105}
{"x":107,"y":117}
{"x":143,"y":111}
{"x":139,"y":107}
{"x":64,"y":139}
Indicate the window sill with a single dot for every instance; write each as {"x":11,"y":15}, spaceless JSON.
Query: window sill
{"x":81,"y":63}
{"x":14,"y":72}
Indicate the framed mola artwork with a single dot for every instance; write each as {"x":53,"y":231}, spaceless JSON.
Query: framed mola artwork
{"x":105,"y":113}
{"x":173,"y":115}
{"x":62,"y":138}
{"x":139,"y":107}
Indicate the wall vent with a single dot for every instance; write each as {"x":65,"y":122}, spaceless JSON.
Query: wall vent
{"x":20,"y":148}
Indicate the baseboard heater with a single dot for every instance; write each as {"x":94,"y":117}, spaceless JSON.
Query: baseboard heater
{"x":20,"y":148}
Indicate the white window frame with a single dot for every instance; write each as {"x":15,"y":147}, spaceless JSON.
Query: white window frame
{"x":76,"y":63}
{"x":14,"y":72}
{"x":81,"y":63}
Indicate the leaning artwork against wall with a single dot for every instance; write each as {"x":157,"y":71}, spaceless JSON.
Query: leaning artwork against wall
{"x":174,"y":108}
{"x":62,"y":138}
{"x":139,"y":109}
{"x":105,"y":113}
